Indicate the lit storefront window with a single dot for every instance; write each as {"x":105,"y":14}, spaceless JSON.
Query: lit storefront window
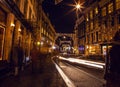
{"x":110,"y":8}
{"x":117,"y":4}
{"x":104,"y":49}
{"x":93,"y":49}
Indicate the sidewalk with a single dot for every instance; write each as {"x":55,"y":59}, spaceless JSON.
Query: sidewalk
{"x":48,"y":77}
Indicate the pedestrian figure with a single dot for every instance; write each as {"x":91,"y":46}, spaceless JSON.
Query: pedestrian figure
{"x":34,"y":57}
{"x":17,"y":59}
{"x":20,"y":58}
{"x":113,"y":72}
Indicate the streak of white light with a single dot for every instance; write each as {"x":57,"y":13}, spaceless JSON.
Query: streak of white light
{"x":65,"y":78}
{"x":85,"y":62}
{"x":97,"y":63}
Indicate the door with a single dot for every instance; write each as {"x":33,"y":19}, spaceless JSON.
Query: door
{"x":2,"y":31}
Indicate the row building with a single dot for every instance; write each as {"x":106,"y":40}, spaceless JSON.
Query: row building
{"x":96,"y":27}
{"x":24,"y":23}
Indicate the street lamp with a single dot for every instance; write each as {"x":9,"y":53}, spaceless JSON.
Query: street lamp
{"x":78,"y":6}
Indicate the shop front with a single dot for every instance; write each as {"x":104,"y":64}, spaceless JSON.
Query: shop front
{"x":93,"y":49}
{"x":105,"y":49}
{"x":81,"y":49}
{"x":2,"y":31}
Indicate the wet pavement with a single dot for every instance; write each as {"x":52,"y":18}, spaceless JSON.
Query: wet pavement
{"x":47,"y":77}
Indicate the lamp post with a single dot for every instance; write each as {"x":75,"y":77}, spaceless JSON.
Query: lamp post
{"x":78,"y":7}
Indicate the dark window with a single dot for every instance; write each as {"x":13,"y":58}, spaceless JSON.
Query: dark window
{"x":96,"y":36}
{"x":1,"y":42}
{"x":112,"y":21}
{"x":119,"y":19}
{"x":92,"y":38}
{"x":3,"y":16}
{"x":105,"y":22}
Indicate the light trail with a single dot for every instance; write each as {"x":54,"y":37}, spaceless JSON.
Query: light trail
{"x":85,"y":62}
{"x":65,"y":78}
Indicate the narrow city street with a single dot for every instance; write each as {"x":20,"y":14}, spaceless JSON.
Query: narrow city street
{"x":59,"y":43}
{"x":59,"y":73}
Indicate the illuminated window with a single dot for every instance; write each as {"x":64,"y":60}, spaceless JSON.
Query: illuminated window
{"x":117,"y":4}
{"x":87,"y":17}
{"x":96,"y":10}
{"x":91,"y":14}
{"x":42,"y":30}
{"x":104,"y":11}
{"x":110,"y":8}
{"x":91,"y":25}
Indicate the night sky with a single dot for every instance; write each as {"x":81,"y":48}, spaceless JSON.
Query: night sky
{"x":61,"y":16}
